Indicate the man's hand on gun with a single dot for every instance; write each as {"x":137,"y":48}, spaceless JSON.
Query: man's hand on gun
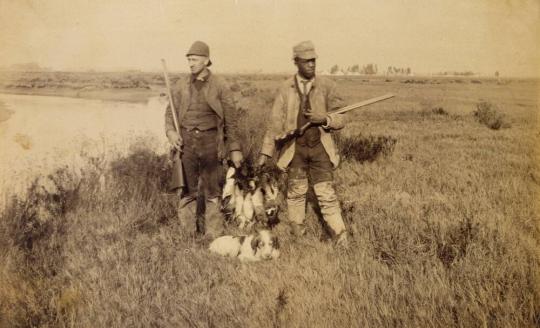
{"x":316,"y":118}
{"x":175,"y":139}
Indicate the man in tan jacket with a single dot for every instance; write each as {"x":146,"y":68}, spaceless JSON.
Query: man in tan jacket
{"x":207,"y":117}
{"x":313,"y":156}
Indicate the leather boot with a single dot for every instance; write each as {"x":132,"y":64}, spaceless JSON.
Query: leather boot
{"x":187,"y":214}
{"x":213,"y":222}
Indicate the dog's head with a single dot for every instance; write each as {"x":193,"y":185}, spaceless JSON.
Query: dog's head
{"x":270,"y":187}
{"x":272,"y":211}
{"x":271,"y":202}
{"x":265,"y":245}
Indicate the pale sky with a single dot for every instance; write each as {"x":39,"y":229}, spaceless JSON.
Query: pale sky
{"x":249,"y":35}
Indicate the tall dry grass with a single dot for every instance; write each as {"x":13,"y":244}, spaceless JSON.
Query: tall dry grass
{"x":444,"y":229}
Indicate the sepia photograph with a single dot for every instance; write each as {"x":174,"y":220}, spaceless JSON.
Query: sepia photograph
{"x":269,"y":163}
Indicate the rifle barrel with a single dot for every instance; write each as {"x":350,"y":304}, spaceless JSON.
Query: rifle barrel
{"x":169,"y":93}
{"x":300,"y":131}
{"x":361,"y":104}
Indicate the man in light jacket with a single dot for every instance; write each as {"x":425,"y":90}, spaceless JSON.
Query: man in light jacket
{"x":313,"y":156}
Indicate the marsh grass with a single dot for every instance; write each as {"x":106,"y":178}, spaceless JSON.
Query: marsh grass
{"x":360,"y":148}
{"x":444,"y":231}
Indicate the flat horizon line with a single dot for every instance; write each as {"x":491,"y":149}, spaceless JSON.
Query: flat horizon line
{"x":258,"y":72}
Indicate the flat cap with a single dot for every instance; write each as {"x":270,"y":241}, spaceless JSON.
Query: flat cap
{"x":304,"y":50}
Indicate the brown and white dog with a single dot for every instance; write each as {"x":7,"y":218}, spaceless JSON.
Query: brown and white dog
{"x":255,"y":247}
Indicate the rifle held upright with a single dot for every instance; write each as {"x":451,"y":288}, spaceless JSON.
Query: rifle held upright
{"x":177,"y":176}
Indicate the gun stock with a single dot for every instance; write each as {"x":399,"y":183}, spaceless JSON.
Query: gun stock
{"x":177,"y":176}
{"x":289,"y":135}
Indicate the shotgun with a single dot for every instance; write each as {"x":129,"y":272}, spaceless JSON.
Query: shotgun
{"x":177,"y":177}
{"x":289,"y":135}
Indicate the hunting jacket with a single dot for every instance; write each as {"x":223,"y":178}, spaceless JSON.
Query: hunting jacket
{"x":219,"y":98}
{"x":323,"y":98}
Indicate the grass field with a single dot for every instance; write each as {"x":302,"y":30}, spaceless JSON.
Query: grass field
{"x":443,"y":212}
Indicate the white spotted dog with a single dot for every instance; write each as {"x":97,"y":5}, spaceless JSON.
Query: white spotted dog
{"x":255,"y":247}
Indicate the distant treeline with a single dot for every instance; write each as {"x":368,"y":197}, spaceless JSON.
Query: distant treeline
{"x":465,"y":73}
{"x":369,"y":69}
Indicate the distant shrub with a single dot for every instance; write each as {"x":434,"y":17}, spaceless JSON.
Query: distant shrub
{"x":476,"y":81}
{"x":488,"y":114}
{"x":249,"y":92}
{"x":267,"y":96}
{"x":434,"y":111}
{"x":414,"y":81}
{"x":235,"y":87}
{"x":363,"y":149}
{"x":439,"y":111}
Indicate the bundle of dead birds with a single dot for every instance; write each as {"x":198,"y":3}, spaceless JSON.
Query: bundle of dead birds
{"x":250,"y":197}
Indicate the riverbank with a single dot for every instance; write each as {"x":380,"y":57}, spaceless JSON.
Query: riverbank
{"x":5,"y":113}
{"x":134,"y":95}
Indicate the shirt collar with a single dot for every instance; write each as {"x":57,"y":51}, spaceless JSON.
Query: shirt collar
{"x":299,"y":79}
{"x":203,"y":76}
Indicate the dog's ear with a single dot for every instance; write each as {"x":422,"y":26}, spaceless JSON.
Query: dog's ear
{"x":275,"y":242}
{"x":255,"y":242}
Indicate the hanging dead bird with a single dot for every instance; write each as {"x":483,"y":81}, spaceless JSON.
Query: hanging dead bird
{"x":228,"y":195}
{"x":271,"y":202}
{"x":271,"y":190}
{"x":247,"y":211}
{"x":250,"y":195}
{"x":258,"y":205}
{"x":238,"y":204}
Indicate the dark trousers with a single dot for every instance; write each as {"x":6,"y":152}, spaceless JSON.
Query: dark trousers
{"x":202,"y":167}
{"x":311,"y":162}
